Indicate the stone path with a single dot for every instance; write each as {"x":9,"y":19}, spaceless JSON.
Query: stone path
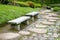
{"x":50,"y":32}
{"x":44,"y":28}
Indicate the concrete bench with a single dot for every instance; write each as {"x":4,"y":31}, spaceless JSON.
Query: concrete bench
{"x":9,"y":36}
{"x":33,"y":15}
{"x":16,"y":22}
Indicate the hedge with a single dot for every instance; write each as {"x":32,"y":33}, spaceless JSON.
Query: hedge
{"x":8,"y":12}
{"x":28,"y":4}
{"x":56,"y":8}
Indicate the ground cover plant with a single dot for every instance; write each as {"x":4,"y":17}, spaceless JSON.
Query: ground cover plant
{"x":8,"y":12}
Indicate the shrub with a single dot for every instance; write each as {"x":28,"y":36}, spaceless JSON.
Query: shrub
{"x":37,"y":5}
{"x":26,"y":4}
{"x":56,"y":8}
{"x":4,"y":1}
{"x":22,"y":4}
{"x":31,"y":4}
{"x":8,"y":12}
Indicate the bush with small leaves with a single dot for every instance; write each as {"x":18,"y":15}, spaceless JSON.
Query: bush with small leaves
{"x":56,"y":8}
{"x":22,"y":4}
{"x":37,"y":5}
{"x":31,"y":4}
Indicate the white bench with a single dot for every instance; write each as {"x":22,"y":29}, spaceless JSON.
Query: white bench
{"x":32,"y":15}
{"x":18,"y":21}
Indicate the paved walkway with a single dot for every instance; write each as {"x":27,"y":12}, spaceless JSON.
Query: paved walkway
{"x":51,"y":33}
{"x":39,"y":22}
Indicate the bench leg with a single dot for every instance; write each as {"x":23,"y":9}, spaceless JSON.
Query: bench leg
{"x":38,"y":16}
{"x":27,"y":22}
{"x":33,"y":19}
{"x":18,"y":27}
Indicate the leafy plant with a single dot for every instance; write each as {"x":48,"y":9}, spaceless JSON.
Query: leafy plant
{"x":56,"y":8}
{"x":22,"y":4}
{"x":31,"y":4}
{"x":8,"y":12}
{"x":37,"y":5}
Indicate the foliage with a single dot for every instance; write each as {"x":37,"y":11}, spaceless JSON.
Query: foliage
{"x":22,"y":4}
{"x":48,"y":2}
{"x":11,"y":12}
{"x":56,"y":8}
{"x":28,"y":4}
{"x":38,"y":1}
{"x":37,"y":5}
{"x":31,"y":4}
{"x":45,"y":1}
{"x":4,"y":1}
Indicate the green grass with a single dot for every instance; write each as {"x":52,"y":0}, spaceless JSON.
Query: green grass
{"x":8,"y":12}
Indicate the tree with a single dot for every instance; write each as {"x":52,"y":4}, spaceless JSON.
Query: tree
{"x":4,"y":1}
{"x":13,"y":1}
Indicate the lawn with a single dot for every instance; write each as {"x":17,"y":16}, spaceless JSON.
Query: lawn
{"x":8,"y":12}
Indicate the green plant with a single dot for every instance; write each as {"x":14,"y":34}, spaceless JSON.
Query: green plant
{"x":22,"y":4}
{"x":31,"y":4}
{"x":38,"y":5}
{"x":56,"y":8}
{"x":8,"y":12}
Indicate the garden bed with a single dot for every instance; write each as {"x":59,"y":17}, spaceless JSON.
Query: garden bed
{"x":8,"y":12}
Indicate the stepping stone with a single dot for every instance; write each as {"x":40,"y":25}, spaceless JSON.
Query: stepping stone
{"x":43,"y":13}
{"x":49,"y":17}
{"x":47,"y":23}
{"x":45,"y":36}
{"x":36,"y":30}
{"x":52,"y":20}
{"x":52,"y":29}
{"x":25,"y":34}
{"x":55,"y":35}
{"x":47,"y":11}
{"x":41,"y":26}
{"x":52,"y":36}
{"x":9,"y":36}
{"x":52,"y":14}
